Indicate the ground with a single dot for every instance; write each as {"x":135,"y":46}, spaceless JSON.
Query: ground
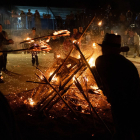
{"x":56,"y":125}
{"x":20,"y":70}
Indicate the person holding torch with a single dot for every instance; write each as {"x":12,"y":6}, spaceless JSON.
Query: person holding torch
{"x":3,"y":41}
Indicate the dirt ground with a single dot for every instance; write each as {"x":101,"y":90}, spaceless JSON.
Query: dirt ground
{"x":20,"y":70}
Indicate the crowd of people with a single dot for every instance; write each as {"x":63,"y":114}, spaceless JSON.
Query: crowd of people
{"x":16,"y":20}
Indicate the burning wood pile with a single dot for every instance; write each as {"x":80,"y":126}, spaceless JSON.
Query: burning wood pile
{"x":70,"y":86}
{"x":67,"y":87}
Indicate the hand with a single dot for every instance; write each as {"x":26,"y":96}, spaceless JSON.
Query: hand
{"x":11,"y":41}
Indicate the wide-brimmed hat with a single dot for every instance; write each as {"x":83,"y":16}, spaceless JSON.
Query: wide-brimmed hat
{"x":111,"y":40}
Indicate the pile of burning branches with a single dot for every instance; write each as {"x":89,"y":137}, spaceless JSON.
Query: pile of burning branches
{"x":70,"y":86}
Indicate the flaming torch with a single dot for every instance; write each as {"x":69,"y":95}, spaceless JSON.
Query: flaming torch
{"x":99,"y":24}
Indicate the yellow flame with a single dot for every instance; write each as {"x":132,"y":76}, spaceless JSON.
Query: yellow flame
{"x":31,"y":102}
{"x":91,"y":62}
{"x":100,"y":23}
{"x":28,"y":38}
{"x":116,"y":33}
{"x":94,"y":87}
{"x":73,"y":78}
{"x":47,"y":40}
{"x":41,"y":77}
{"x":54,"y":79}
{"x":94,"y":45}
{"x":79,"y":56}
{"x":61,"y":31}
{"x":58,"y":56}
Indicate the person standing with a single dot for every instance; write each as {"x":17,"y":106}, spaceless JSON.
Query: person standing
{"x":37,"y":20}
{"x":29,"y":19}
{"x":34,"y":53}
{"x":23,"y":19}
{"x":136,"y":45}
{"x":120,"y":80}
{"x":125,"y":41}
{"x":3,"y":56}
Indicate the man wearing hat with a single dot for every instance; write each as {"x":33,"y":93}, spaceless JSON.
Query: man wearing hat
{"x":120,"y":79}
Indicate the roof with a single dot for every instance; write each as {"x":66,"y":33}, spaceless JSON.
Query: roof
{"x":54,"y":11}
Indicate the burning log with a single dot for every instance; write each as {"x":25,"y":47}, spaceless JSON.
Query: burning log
{"x":81,"y":90}
{"x":60,"y":65}
{"x":58,"y":93}
{"x":62,"y":91}
{"x":58,"y":34}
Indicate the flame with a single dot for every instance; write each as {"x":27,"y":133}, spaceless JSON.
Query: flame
{"x":68,"y":65}
{"x":94,"y":87}
{"x":116,"y":33}
{"x":58,"y":56}
{"x":100,"y":23}
{"x":47,"y":40}
{"x":86,"y":79}
{"x":73,"y":78}
{"x":94,"y":45}
{"x":28,"y":38}
{"x":91,"y":62}
{"x":79,"y":56}
{"x":31,"y":102}
{"x":41,"y":77}
{"x":65,"y":32}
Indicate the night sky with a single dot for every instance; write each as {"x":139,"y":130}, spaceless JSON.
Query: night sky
{"x":89,"y":4}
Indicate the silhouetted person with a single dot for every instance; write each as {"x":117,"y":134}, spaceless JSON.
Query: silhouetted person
{"x":136,"y":45}
{"x":37,"y":20}
{"x":23,"y":19}
{"x":3,"y":56}
{"x":29,"y":19}
{"x":121,"y":81}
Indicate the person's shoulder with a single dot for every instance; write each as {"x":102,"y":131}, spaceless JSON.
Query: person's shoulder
{"x":100,"y":59}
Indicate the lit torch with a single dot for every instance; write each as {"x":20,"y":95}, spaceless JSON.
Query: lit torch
{"x":100,"y":23}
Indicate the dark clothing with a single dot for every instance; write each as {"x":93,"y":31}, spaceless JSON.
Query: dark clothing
{"x":34,"y":53}
{"x":35,"y":58}
{"x":29,"y":19}
{"x":3,"y":56}
{"x":37,"y":20}
{"x":23,"y":20}
{"x":121,"y":81}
